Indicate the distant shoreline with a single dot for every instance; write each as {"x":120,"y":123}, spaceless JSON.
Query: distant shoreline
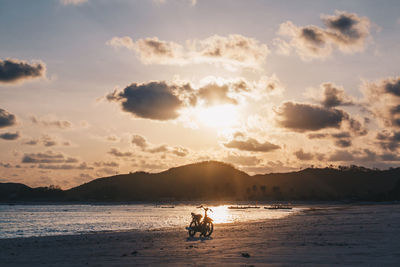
{"x":260,"y":203}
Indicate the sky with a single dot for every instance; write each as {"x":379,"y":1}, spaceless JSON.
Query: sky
{"x":94,"y":88}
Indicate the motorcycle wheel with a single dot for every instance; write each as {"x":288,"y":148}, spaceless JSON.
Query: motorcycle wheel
{"x":191,"y":231}
{"x":208,"y":229}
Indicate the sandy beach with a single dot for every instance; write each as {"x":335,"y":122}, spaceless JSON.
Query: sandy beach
{"x":337,"y":235}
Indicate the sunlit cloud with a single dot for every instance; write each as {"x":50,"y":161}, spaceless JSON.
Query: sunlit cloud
{"x":233,"y":52}
{"x":145,"y":146}
{"x":382,"y":98}
{"x":251,"y":144}
{"x":50,"y":122}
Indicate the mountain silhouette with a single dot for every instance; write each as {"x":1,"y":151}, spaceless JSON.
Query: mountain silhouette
{"x":212,"y":180}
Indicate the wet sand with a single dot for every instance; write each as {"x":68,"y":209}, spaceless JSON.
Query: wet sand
{"x":342,"y":235}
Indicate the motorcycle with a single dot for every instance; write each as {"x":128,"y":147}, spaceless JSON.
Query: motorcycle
{"x":205,"y":226}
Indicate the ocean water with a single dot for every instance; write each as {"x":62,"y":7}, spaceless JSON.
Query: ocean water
{"x":44,"y":220}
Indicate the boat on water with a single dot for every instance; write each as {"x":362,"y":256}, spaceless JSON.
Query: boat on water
{"x":167,"y":207}
{"x":237,"y":207}
{"x":242,"y":207}
{"x":279,"y":207}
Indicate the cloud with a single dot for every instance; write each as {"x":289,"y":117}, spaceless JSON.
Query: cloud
{"x":48,"y":141}
{"x":6,"y":118}
{"x":153,"y":100}
{"x":139,"y":141}
{"x":345,"y":31}
{"x":47,"y":157}
{"x":61,"y":124}
{"x":145,"y":146}
{"x":389,"y":140}
{"x":160,"y":2}
{"x":234,"y":51}
{"x":82,"y":166}
{"x":334,"y":96}
{"x":9,"y":136}
{"x":340,"y":139}
{"x":158,"y":149}
{"x":106,"y":164}
{"x":305,"y":117}
{"x":382,"y":99}
{"x":160,"y":100}
{"x":343,"y":143}
{"x":117,"y":153}
{"x":317,"y":135}
{"x":301,"y":155}
{"x":112,"y":138}
{"x":14,"y":70}
{"x":31,"y":142}
{"x":214,"y":94}
{"x":251,"y":144}
{"x":180,"y":151}
{"x":73,"y":2}
{"x":341,"y":155}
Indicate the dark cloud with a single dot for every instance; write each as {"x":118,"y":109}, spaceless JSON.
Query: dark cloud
{"x":341,"y":155}
{"x":393,"y":87}
{"x":48,"y":141}
{"x":343,"y":143}
{"x":334,"y":96}
{"x":340,"y":139}
{"x":305,"y":117}
{"x":13,"y":70}
{"x":389,"y":140}
{"x":346,"y":31}
{"x":313,"y":35}
{"x":356,"y":127}
{"x":341,"y":135}
{"x":9,"y":136}
{"x":251,"y":144}
{"x":153,"y":100}
{"x":390,"y":157}
{"x":214,"y":94}
{"x":117,"y":153}
{"x":6,"y":118}
{"x":47,"y":157}
{"x":139,"y":141}
{"x":301,"y":155}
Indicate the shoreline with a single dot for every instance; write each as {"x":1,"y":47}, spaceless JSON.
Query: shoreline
{"x":354,"y":235}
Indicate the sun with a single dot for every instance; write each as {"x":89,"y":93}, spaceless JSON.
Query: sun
{"x":221,"y":116}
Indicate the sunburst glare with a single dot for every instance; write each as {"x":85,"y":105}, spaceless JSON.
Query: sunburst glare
{"x":221,"y":116}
